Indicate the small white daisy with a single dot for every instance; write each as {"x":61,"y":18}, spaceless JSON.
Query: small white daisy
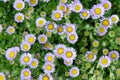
{"x":97,"y":11}
{"x":45,"y":77}
{"x":19,"y":17}
{"x":2,"y":76}
{"x":105,"y":22}
{"x":10,"y":30}
{"x":114,"y":18}
{"x":30,"y":38}
{"x":61,"y":29}
{"x":57,"y":15}
{"x":40,"y":22}
{"x":50,"y":26}
{"x":90,"y":56}
{"x":25,"y":74}
{"x":33,"y":63}
{"x":113,"y":55}
{"x":10,"y":54}
{"x":107,"y":5}
{"x":74,"y":71}
{"x":59,"y":50}
{"x":77,"y":6}
{"x":49,"y":57}
{"x":70,"y":54}
{"x":1,"y":28}
{"x":19,"y":5}
{"x":68,"y":9}
{"x":70,"y":28}
{"x":104,"y":61}
{"x":68,"y":62}
{"x":32,"y":2}
{"x":72,"y":38}
{"x":25,"y":46}
{"x":48,"y":67}
{"x":26,"y":58}
{"x":85,"y":14}
{"x":42,"y":39}
{"x":61,"y":7}
{"x":101,"y":31}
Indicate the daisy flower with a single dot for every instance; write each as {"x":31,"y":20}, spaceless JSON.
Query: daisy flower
{"x":107,"y":5}
{"x":118,"y":72}
{"x":113,"y":55}
{"x":68,"y":9}
{"x":72,"y":38}
{"x":77,"y":6}
{"x":25,"y":46}
{"x":26,"y":58}
{"x":95,"y":43}
{"x":70,"y":28}
{"x":10,"y":54}
{"x":74,"y":71}
{"x":40,"y":22}
{"x":49,"y":57}
{"x":105,"y":51}
{"x":61,"y":7}
{"x":90,"y":56}
{"x":30,"y":38}
{"x":19,"y":5}
{"x":33,"y":63}
{"x":85,"y":14}
{"x":117,"y":40}
{"x":10,"y":30}
{"x":25,"y":74}
{"x":104,"y":61}
{"x":19,"y":17}
{"x":63,"y":1}
{"x":42,"y":39}
{"x":45,"y":77}
{"x":101,"y":31}
{"x":1,"y":28}
{"x":70,"y":54}
{"x":68,"y":62}
{"x":61,"y":29}
{"x":48,"y":67}
{"x":114,"y":18}
{"x":50,"y":26}
{"x":97,"y":11}
{"x":2,"y":76}
{"x":47,"y":46}
{"x":57,"y":15}
{"x":59,"y":50}
{"x":32,"y":2}
{"x":105,"y":22}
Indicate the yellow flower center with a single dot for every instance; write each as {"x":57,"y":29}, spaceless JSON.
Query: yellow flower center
{"x":30,"y":39}
{"x":50,"y":58}
{"x":19,"y":5}
{"x":42,"y":39}
{"x":11,"y":30}
{"x":50,"y":26}
{"x":97,"y":11}
{"x":114,"y":19}
{"x":19,"y":17}
{"x":25,"y":46}
{"x":106,"y":5}
{"x":104,"y":61}
{"x":69,"y":29}
{"x":105,"y":51}
{"x":101,"y":30}
{"x":12,"y":54}
{"x":60,"y":51}
{"x":84,"y":14}
{"x":113,"y":55}
{"x":2,"y":77}
{"x":118,"y":71}
{"x":34,"y":63}
{"x":69,"y":54}
{"x":72,"y":37}
{"x":48,"y":34}
{"x":26,"y":59}
{"x":49,"y":67}
{"x":57,"y":15}
{"x":90,"y":56}
{"x":67,"y":10}
{"x":95,"y":44}
{"x":33,"y":1}
{"x":45,"y":77}
{"x":26,"y":73}
{"x":41,"y":22}
{"x":77,"y":7}
{"x":61,"y":7}
{"x":74,"y":71}
{"x":60,"y":29}
{"x":105,"y":22}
